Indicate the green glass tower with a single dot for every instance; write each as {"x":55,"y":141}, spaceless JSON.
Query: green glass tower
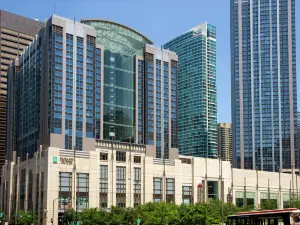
{"x":197,"y":105}
{"x":121,"y":47}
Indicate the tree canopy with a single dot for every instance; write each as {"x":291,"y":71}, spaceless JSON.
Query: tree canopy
{"x":161,"y":214}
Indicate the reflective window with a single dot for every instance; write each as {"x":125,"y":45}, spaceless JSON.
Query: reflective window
{"x":22,"y":188}
{"x":170,"y":190}
{"x":121,"y":156}
{"x":121,"y":187}
{"x":103,"y":186}
{"x":103,"y":156}
{"x":187,"y":197}
{"x":212,"y":189}
{"x":69,"y":92}
{"x":82,"y":191}
{"x":157,"y":189}
{"x":137,"y":186}
{"x":65,"y":191}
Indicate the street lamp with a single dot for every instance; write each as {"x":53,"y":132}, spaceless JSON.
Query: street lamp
{"x":52,"y":219}
{"x":112,"y":136}
{"x":130,"y":183}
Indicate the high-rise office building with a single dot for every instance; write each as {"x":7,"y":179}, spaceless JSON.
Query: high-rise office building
{"x":16,"y":33}
{"x":159,"y":101}
{"x":197,"y":105}
{"x":264,"y":98}
{"x":55,"y":91}
{"x":91,"y":80}
{"x":225,"y":141}
{"x":297,"y":140}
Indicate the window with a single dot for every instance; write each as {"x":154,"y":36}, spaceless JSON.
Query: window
{"x":137,"y":159}
{"x":82,"y":192}
{"x":103,"y":156}
{"x":157,"y":189}
{"x":267,"y":199}
{"x":249,"y":197}
{"x":137,"y":186}
{"x":286,"y":200}
{"x":121,"y":186}
{"x":186,"y":161}
{"x":30,"y":190}
{"x":65,"y":191}
{"x":22,"y":188}
{"x":121,"y":156}
{"x":103,"y":185}
{"x":170,"y":190}
{"x":239,"y":202}
{"x":37,"y":192}
{"x":187,"y":197}
{"x":212,"y":189}
{"x":42,"y":195}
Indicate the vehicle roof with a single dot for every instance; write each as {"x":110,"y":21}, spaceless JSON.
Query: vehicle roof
{"x":265,"y":213}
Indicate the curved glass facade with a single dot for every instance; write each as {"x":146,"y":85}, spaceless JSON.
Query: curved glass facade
{"x":121,"y":45}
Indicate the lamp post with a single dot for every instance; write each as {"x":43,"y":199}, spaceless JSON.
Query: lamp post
{"x":130,"y":183}
{"x":139,"y":188}
{"x":293,"y":192}
{"x":52,"y":219}
{"x":112,"y":135}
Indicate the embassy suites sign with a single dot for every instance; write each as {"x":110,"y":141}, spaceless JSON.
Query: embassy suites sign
{"x":63,"y":160}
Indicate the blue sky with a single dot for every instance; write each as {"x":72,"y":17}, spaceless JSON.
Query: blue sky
{"x":159,"y":20}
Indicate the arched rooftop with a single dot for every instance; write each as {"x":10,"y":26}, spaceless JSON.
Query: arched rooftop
{"x":89,"y":21}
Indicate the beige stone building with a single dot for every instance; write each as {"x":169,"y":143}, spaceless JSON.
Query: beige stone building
{"x":225,"y":141}
{"x":127,"y":175}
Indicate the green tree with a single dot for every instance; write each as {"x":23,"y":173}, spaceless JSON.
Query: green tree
{"x":116,"y":216}
{"x":159,"y":214}
{"x":3,"y":218}
{"x":209,"y":213}
{"x":269,"y":204}
{"x":25,"y":218}
{"x":93,"y":217}
{"x":70,"y":215}
{"x":194,"y":214}
{"x":295,"y":203}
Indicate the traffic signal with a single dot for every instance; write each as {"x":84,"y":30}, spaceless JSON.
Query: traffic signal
{"x":229,"y":199}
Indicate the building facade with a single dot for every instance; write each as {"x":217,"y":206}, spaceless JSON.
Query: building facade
{"x":16,"y":33}
{"x":225,"y":141}
{"x":158,"y":104}
{"x":264,"y":98}
{"x":140,"y":82}
{"x":55,"y":98}
{"x":297,"y":139}
{"x":126,"y":175}
{"x":197,"y":104}
{"x":104,"y":83}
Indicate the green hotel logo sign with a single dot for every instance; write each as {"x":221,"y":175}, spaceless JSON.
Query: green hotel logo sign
{"x":63,"y":160}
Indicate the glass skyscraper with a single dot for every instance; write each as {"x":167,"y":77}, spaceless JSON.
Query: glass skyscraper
{"x":121,"y":45}
{"x":264,"y":99}
{"x":140,"y":88}
{"x":197,"y":105}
